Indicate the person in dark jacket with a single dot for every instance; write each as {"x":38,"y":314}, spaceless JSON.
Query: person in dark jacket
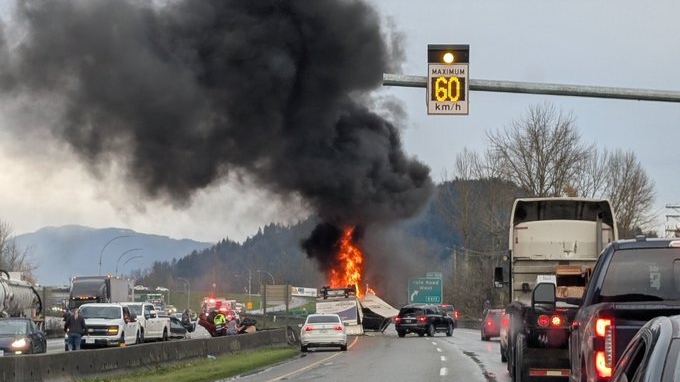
{"x":76,"y":328}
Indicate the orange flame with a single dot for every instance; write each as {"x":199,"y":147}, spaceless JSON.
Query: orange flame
{"x":349,"y":259}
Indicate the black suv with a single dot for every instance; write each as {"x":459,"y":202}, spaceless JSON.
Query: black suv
{"x":423,"y":319}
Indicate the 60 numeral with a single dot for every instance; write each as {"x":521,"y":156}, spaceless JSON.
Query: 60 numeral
{"x":448,"y":89}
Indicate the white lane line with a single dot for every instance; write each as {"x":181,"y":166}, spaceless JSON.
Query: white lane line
{"x":434,"y":343}
{"x":443,"y":359}
{"x":443,"y":371}
{"x":439,"y":350}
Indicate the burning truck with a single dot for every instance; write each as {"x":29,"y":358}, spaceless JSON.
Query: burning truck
{"x":358,"y":310}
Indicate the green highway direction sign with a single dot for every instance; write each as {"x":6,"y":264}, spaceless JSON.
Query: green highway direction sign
{"x":425,"y":290}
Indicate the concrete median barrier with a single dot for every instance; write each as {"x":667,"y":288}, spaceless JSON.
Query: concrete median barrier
{"x":65,"y":366}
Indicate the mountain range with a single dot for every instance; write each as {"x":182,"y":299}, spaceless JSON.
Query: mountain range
{"x":58,"y":253}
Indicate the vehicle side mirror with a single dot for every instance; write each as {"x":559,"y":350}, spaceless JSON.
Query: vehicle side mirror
{"x":543,"y":297}
{"x":153,"y":315}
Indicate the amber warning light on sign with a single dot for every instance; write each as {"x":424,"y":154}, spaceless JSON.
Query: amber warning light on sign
{"x":448,"y":79}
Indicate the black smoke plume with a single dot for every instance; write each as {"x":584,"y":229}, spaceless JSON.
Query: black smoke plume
{"x":184,"y":93}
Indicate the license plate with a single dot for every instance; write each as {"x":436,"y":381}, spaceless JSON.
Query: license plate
{"x":324,"y":331}
{"x":89,"y":340}
{"x":409,"y":320}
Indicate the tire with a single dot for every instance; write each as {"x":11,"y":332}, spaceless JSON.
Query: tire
{"x":430,"y":331}
{"x":343,"y":347}
{"x":142,"y":335}
{"x":139,"y":339}
{"x":521,"y":374}
{"x":449,"y":330}
{"x":165,"y":334}
{"x":303,"y":348}
{"x":503,"y":357}
{"x":401,"y":333}
{"x":421,"y":334}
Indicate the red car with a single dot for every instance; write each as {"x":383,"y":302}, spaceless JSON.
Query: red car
{"x":491,"y":324}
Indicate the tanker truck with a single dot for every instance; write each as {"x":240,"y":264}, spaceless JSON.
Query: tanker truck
{"x":18,"y":298}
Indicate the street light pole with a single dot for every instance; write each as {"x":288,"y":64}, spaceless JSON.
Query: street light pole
{"x":132,"y":258}
{"x":123,"y":254}
{"x":105,"y":245}
{"x":188,"y":289}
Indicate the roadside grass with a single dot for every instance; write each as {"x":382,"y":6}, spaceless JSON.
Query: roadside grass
{"x":205,"y":370}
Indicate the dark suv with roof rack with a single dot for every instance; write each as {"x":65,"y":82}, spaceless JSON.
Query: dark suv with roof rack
{"x":423,"y":319}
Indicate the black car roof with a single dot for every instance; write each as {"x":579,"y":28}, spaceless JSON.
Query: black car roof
{"x":643,"y":242}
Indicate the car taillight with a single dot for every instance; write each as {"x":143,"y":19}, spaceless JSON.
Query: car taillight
{"x":456,"y":314}
{"x":338,"y":327}
{"x":489,"y":323}
{"x":309,"y":328}
{"x":543,"y":320}
{"x":505,"y":321}
{"x":604,"y":357}
{"x":421,"y":318}
{"x":397,"y":320}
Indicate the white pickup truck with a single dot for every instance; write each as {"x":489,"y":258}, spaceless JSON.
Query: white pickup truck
{"x":154,"y":326}
{"x":107,"y":326}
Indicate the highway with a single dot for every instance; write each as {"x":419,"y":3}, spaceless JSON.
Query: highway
{"x":384,"y":356}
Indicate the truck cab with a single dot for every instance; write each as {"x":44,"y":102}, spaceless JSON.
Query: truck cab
{"x":109,"y":324}
{"x":153,"y":325}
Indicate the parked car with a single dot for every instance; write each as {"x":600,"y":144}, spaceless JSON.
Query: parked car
{"x":423,"y":319}
{"x":653,"y":355}
{"x":491,"y":324}
{"x":20,"y":335}
{"x":323,"y":330}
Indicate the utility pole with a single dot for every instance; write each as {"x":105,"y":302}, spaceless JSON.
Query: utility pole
{"x":673,"y":229}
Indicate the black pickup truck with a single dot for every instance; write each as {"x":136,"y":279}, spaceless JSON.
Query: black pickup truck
{"x":633,"y":282}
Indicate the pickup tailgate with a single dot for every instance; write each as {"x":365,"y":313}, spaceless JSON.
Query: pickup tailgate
{"x":629,"y":317}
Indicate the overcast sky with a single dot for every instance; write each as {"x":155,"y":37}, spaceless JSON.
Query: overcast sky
{"x":598,"y":43}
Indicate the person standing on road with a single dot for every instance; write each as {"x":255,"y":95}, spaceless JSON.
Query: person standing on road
{"x":76,"y":328}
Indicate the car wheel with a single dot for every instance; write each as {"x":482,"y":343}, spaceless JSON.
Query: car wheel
{"x":165,"y":334}
{"x":141,"y":331}
{"x":343,"y":347}
{"x":303,"y":348}
{"x":401,"y":333}
{"x":449,"y":330}
{"x":421,"y":334}
{"x":430,"y":331}
{"x":138,"y":339}
{"x":503,"y":357}
{"x":484,"y":338}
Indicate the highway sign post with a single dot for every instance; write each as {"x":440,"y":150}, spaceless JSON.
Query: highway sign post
{"x":425,"y":290}
{"x":448,"y":79}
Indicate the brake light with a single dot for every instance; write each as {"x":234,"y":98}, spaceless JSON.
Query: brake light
{"x":397,"y":320}
{"x":604,"y":358}
{"x":554,"y":320}
{"x":421,"y":318}
{"x":456,"y":314}
{"x":338,"y":327}
{"x":603,"y":371}
{"x":309,"y":328}
{"x":505,"y":321}
{"x":601,"y":325}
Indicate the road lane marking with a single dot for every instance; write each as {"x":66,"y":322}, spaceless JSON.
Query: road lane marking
{"x":443,"y":371}
{"x":443,"y":359}
{"x":313,"y":364}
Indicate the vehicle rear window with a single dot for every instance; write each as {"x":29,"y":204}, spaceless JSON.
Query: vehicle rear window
{"x":322,"y":319}
{"x":410,"y":311}
{"x":642,"y":274}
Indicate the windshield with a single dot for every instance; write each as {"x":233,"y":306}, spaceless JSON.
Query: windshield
{"x":106,"y":312}
{"x":322,"y":319}
{"x":13,"y":327}
{"x":642,"y":274}
{"x":136,"y":309}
